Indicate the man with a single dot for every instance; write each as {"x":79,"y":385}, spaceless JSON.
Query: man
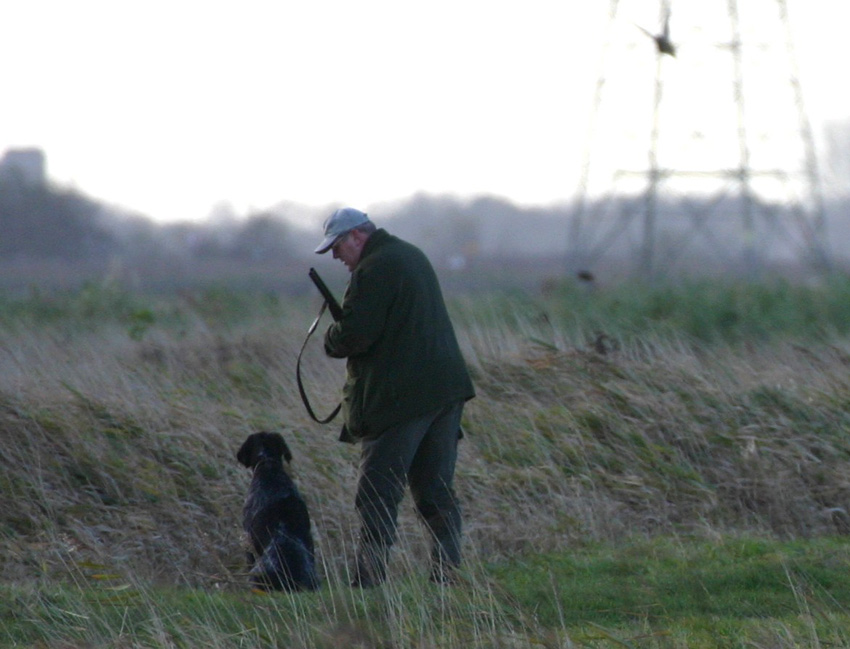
{"x":404,"y":394}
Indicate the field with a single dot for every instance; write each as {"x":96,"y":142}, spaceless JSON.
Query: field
{"x":642,"y":467}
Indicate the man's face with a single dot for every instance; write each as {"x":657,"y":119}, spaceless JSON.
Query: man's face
{"x":348,"y":248}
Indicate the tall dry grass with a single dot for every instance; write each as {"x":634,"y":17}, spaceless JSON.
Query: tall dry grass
{"x":118,"y":437}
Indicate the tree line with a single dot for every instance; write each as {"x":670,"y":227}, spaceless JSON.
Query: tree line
{"x":43,"y":221}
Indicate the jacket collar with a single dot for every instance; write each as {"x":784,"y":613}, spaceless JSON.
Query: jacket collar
{"x":375,"y":240}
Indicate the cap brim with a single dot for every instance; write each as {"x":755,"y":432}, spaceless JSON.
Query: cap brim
{"x":326,"y":245}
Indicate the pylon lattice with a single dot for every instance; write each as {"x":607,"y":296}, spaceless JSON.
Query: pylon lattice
{"x":703,"y":154}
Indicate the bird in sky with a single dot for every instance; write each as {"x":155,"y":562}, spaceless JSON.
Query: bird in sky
{"x":662,"y":40}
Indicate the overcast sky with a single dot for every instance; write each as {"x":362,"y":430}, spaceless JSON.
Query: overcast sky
{"x":169,"y":108}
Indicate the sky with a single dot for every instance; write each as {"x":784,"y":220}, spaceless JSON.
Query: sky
{"x":173,"y":109}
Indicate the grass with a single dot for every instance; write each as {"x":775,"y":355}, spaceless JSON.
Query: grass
{"x":728,"y":311}
{"x":665,"y":592}
{"x":628,"y":479}
{"x":677,"y":578}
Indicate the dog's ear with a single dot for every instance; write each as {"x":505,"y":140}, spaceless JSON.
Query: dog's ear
{"x":247,"y":453}
{"x":287,"y":454}
{"x":275,"y":443}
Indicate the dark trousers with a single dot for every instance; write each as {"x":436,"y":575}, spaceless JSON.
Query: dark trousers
{"x":422,"y":454}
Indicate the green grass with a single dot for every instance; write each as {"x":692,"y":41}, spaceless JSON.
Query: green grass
{"x":674,"y":580}
{"x":729,"y":592}
{"x":708,"y":311}
{"x":718,"y":310}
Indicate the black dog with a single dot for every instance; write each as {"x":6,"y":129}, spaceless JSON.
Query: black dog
{"x":276,"y":519}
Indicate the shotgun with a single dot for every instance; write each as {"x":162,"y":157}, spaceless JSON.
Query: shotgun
{"x":333,"y":305}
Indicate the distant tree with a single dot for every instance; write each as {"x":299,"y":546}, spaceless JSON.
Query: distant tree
{"x":43,"y":222}
{"x":263,"y":237}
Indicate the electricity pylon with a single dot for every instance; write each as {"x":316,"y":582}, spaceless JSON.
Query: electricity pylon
{"x":699,"y":152}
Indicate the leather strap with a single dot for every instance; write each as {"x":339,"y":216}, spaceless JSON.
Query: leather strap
{"x":301,"y":389}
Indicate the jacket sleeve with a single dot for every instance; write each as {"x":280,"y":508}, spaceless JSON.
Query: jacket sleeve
{"x":365,"y":306}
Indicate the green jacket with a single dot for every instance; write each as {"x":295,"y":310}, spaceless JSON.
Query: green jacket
{"x":403,"y":357}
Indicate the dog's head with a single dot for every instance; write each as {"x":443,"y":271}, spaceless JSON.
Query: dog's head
{"x":261,"y":446}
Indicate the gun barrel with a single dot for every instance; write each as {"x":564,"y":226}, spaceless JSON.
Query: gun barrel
{"x":333,"y":305}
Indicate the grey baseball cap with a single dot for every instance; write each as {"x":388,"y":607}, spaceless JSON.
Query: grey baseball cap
{"x":341,"y":222}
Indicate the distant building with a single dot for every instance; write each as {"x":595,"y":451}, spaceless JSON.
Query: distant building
{"x":27,"y":165}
